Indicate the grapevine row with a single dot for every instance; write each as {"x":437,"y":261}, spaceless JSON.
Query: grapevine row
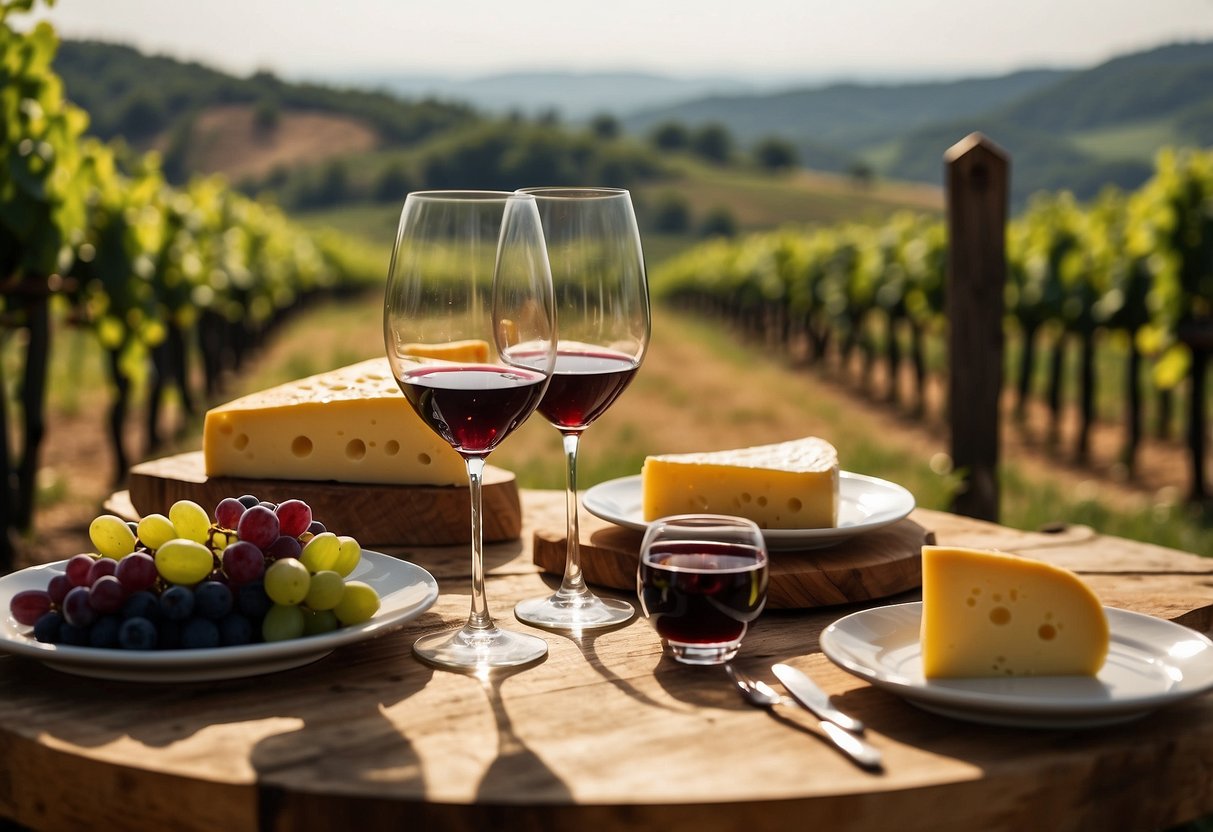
{"x":1137,"y":266}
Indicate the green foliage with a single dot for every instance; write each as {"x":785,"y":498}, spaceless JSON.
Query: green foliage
{"x":775,"y":154}
{"x":671,"y":136}
{"x":713,"y":143}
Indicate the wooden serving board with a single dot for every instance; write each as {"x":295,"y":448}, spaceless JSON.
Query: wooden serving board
{"x":874,"y":565}
{"x":378,"y":515}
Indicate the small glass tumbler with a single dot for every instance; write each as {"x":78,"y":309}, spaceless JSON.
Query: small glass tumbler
{"x":701,"y":581}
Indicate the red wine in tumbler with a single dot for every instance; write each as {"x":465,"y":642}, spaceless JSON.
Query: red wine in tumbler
{"x":701,"y":592}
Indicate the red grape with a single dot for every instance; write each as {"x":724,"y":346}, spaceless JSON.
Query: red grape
{"x":77,"y":569}
{"x":100,"y":568}
{"x":107,"y":594}
{"x":243,"y":562}
{"x":228,"y":512}
{"x":259,"y":526}
{"x":76,"y":607}
{"x":284,"y":547}
{"x":58,"y":587}
{"x":28,"y":605}
{"x":294,"y":516}
{"x":137,"y":571}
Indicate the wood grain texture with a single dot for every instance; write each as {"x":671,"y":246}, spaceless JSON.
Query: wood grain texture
{"x":605,"y":733}
{"x":875,"y":565}
{"x":378,"y":515}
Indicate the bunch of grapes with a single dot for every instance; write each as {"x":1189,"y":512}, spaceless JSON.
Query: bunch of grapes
{"x":258,"y":572}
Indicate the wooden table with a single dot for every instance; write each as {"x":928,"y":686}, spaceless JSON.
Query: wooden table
{"x":605,"y":734}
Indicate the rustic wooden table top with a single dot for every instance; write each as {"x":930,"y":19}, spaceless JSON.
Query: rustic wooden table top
{"x":606,"y":733}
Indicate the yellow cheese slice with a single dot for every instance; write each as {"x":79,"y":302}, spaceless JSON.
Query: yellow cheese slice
{"x":349,"y":425}
{"x":473,"y":351}
{"x":790,"y":485}
{"x":993,"y":614}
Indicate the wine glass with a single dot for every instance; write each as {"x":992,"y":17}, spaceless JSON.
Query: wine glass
{"x":470,"y":333}
{"x":602,"y":313}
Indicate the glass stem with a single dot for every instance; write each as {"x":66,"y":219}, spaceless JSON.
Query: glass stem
{"x":479,"y":619}
{"x":573,"y":584}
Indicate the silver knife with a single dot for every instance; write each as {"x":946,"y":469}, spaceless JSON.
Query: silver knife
{"x":807,"y":693}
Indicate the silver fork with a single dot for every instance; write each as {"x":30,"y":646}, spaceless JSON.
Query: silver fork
{"x":762,"y":695}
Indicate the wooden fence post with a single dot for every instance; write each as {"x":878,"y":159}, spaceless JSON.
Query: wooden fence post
{"x":977,"y":175}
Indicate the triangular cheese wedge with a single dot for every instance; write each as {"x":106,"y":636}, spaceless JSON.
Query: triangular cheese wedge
{"x":993,"y":614}
{"x":350,"y":425}
{"x":790,"y":485}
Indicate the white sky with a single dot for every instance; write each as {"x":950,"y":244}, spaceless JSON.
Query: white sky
{"x":681,"y":37}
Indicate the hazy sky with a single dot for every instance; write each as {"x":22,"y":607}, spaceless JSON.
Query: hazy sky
{"x":683,"y":37}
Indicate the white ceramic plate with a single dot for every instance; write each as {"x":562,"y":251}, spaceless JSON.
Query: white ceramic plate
{"x":864,"y":503}
{"x":1151,"y":663}
{"x":405,"y":591}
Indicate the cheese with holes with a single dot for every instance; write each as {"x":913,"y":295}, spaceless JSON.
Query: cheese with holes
{"x":993,"y":614}
{"x":350,"y":425}
{"x":790,"y":485}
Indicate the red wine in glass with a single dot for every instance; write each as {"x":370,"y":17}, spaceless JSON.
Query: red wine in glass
{"x":473,"y":406}
{"x":702,"y":592}
{"x":584,"y":384}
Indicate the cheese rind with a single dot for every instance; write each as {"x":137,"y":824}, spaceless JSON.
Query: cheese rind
{"x":993,"y":614}
{"x":350,"y":425}
{"x":789,"y":485}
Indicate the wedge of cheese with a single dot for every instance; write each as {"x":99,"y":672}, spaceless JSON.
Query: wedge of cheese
{"x":993,"y":614}
{"x":791,"y":485}
{"x":349,"y":425}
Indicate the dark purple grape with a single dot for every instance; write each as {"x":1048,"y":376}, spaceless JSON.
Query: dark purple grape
{"x":168,"y":635}
{"x":243,"y":562}
{"x":316,"y":527}
{"x":142,"y":604}
{"x":248,"y":500}
{"x":73,"y":635}
{"x":137,"y":571}
{"x":259,"y":526}
{"x":100,"y":568}
{"x":212,"y":600}
{"x":104,"y":632}
{"x":46,"y":628}
{"x":268,"y":504}
{"x":252,"y":601}
{"x":58,"y":587}
{"x":77,"y":568}
{"x":284,"y":547}
{"x":77,"y":610}
{"x":28,"y":605}
{"x":227,"y":513}
{"x":137,"y":634}
{"x":199,"y":634}
{"x":234,"y":629}
{"x":177,"y":602}
{"x":107,"y":595}
{"x":294,"y":517}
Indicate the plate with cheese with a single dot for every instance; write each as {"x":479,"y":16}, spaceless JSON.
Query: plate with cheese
{"x":793,"y":490}
{"x":1008,"y":640}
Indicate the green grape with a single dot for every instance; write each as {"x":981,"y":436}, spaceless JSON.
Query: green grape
{"x":287,"y":581}
{"x":283,"y":622}
{"x":325,"y":590}
{"x":111,"y":537}
{"x":181,"y":561}
{"x":358,"y":603}
{"x":317,"y":622}
{"x":155,"y":530}
{"x":190,"y":520}
{"x":347,"y":556}
{"x":321,"y":552}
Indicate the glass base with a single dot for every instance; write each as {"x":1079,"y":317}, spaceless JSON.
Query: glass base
{"x":701,"y":653}
{"x":470,"y":649}
{"x":577,"y":612}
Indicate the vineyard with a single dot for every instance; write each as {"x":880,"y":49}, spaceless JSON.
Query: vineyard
{"x":1129,"y":274}
{"x":93,"y":236}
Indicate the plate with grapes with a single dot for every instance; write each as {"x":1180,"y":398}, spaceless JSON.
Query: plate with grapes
{"x":405,"y":591}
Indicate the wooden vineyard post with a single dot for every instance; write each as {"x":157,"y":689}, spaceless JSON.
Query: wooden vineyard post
{"x":977,"y":178}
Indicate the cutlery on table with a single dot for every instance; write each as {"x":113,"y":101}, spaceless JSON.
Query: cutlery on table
{"x":807,"y":693}
{"x":762,"y":695}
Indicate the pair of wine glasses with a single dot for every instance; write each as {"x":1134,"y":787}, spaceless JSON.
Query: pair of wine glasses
{"x":498,"y":304}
